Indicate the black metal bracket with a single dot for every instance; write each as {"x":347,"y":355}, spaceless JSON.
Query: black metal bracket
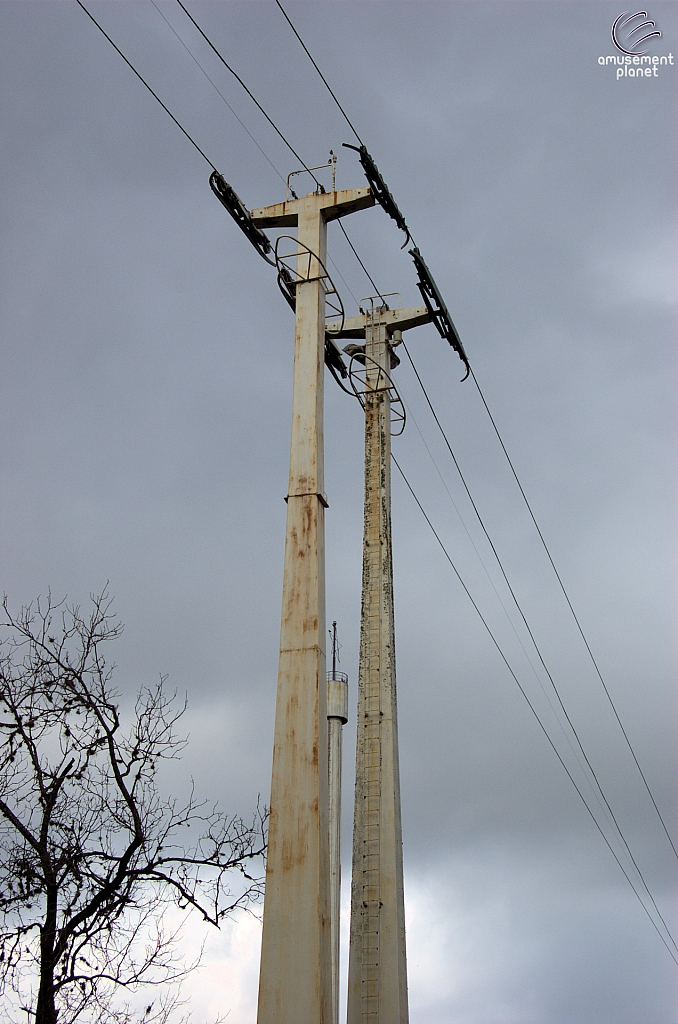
{"x":230,"y":199}
{"x":288,"y":287}
{"x":287,"y":282}
{"x":333,"y":359}
{"x":380,"y":189}
{"x":437,"y":308}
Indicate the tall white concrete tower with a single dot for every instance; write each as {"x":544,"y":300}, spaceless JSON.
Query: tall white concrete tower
{"x":377,"y":982}
{"x":295,"y":980}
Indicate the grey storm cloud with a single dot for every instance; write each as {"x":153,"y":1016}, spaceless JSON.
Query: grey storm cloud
{"x":146,"y":393}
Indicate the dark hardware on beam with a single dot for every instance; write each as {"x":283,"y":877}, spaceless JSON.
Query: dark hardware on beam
{"x":230,"y":199}
{"x":437,"y":308}
{"x":288,"y":286}
{"x":333,"y":360}
{"x":356,"y":352}
{"x":380,"y":189}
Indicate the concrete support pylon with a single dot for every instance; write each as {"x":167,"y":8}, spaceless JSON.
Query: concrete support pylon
{"x":377,"y":978}
{"x":377,"y":964}
{"x":295,"y":985}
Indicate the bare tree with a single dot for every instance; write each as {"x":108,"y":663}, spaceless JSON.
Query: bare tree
{"x":91,"y":854}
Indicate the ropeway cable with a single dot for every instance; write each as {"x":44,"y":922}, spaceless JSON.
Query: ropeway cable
{"x":539,"y":721}
{"x":607,"y":693}
{"x":574,"y":615}
{"x":355,"y":252}
{"x":280,"y":134}
{"x":605,"y":805}
{"x":249,"y":93}
{"x":566,"y":736}
{"x":277,"y":130}
{"x":329,"y":88}
{"x":575,"y":733}
{"x":188,"y":136}
{"x":143,"y":80}
{"x":218,"y":90}
{"x":334,"y":97}
{"x":243,"y":126}
{"x":353,"y":129}
{"x":371,"y":280}
{"x":534,"y":520}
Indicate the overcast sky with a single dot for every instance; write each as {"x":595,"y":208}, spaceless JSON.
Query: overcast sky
{"x":146,"y":396}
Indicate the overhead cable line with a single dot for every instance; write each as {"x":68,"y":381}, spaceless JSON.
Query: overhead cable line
{"x":345,"y":282}
{"x":375,"y":179}
{"x":427,"y":284}
{"x":319,"y":72}
{"x":198,"y":148}
{"x":574,"y":615}
{"x":218,"y":90}
{"x":379,"y":187}
{"x":539,"y":721}
{"x":249,"y":93}
{"x":143,"y":80}
{"x":245,"y":128}
{"x":566,"y":736}
{"x":575,"y":733}
{"x":355,"y":253}
{"x":443,"y":322}
{"x":272,"y":122}
{"x":224,"y":192}
{"x":241,"y":123}
{"x":279,"y":132}
{"x":220,"y":187}
{"x":377,"y":184}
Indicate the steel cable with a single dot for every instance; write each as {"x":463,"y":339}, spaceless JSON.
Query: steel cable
{"x":143,"y":80}
{"x":211,"y":164}
{"x":218,"y":91}
{"x":535,"y":644}
{"x":532,"y":516}
{"x":249,"y":93}
{"x":539,"y":721}
{"x":329,"y":88}
{"x":575,"y":616}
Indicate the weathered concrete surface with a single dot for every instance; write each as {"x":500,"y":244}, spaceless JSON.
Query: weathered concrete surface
{"x":332,"y":205}
{"x":377,"y":987}
{"x":295,"y":981}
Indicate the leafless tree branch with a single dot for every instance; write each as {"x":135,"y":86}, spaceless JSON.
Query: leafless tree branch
{"x":92,"y":855}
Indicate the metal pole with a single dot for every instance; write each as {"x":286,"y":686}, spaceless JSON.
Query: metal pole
{"x":295,"y":981}
{"x":337,"y":716}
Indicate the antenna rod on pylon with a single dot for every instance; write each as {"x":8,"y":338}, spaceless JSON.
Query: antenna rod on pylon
{"x":337,"y":717}
{"x":334,"y":649}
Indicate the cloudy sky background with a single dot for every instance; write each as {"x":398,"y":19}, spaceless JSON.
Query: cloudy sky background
{"x":146,"y":393}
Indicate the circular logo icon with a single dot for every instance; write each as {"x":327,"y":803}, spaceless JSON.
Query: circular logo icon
{"x":634,"y":37}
